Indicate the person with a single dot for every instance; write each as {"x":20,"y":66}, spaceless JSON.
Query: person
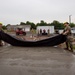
{"x":1,"y":30}
{"x":67,"y":32}
{"x":40,"y":31}
{"x":32,"y":31}
{"x":48,"y":32}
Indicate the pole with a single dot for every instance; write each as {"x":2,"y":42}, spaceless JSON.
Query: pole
{"x":70,"y":19}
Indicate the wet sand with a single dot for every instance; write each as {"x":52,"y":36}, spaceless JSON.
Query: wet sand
{"x":36,"y":61}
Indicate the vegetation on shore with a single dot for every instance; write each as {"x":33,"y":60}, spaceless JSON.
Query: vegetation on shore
{"x":56,"y":24}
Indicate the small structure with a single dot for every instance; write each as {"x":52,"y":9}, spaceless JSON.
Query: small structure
{"x":25,"y":27}
{"x":14,"y":27}
{"x":45,"y":30}
{"x":73,"y":30}
{"x":11,"y":27}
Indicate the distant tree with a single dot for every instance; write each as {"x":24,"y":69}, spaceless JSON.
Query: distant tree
{"x":57,"y":24}
{"x":4,"y":27}
{"x":22,"y":23}
{"x":61,"y":26}
{"x":72,"y":24}
{"x":42,"y":23}
{"x":27,"y":23}
{"x":32,"y":24}
{"x":38,"y":24}
{"x":8,"y":24}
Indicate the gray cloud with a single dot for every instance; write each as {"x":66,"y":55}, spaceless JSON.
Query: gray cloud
{"x":15,"y":11}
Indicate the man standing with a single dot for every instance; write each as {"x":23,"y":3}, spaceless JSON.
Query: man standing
{"x":67,"y":32}
{"x":1,"y":30}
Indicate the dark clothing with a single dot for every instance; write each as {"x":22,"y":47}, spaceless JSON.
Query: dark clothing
{"x":51,"y":41}
{"x":1,"y":40}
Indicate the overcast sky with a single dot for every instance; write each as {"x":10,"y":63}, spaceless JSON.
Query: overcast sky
{"x":16,"y":11}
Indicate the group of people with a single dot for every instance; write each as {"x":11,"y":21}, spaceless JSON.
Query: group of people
{"x":66,"y":32}
{"x":41,"y":32}
{"x":44,"y":31}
